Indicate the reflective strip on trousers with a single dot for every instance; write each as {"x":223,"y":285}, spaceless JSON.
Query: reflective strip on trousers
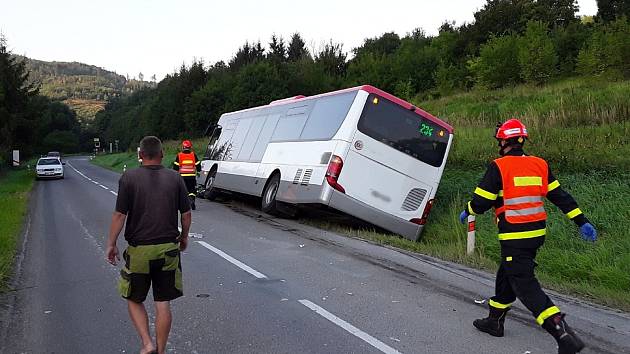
{"x":524,"y":212}
{"x":521,"y":200}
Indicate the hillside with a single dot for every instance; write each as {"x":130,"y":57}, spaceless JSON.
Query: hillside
{"x":85,"y":88}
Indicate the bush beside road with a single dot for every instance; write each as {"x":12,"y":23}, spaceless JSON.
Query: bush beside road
{"x":15,"y":186}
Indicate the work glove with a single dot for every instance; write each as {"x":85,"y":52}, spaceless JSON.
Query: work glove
{"x":463,"y":216}
{"x":588,"y":232}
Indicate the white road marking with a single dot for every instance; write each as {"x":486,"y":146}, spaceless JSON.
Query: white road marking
{"x":350,"y":328}
{"x":91,"y":180}
{"x":233,"y":260}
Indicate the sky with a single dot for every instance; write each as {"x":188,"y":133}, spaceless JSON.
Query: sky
{"x":156,"y":36}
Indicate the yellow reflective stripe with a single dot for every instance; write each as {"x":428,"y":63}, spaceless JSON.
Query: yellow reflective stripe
{"x":573,"y":213}
{"x":508,"y":259}
{"x":189,"y":174}
{"x":193,"y":194}
{"x":528,"y":181}
{"x":187,"y":161}
{"x":484,"y":193}
{"x":553,"y":185}
{"x":522,"y":234}
{"x":498,"y":305}
{"x":470,"y":210}
{"x":197,"y":163}
{"x":546,"y":314}
{"x":176,"y":163}
{"x":501,"y":193}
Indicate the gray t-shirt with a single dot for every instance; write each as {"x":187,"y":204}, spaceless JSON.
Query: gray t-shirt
{"x":152,"y":198}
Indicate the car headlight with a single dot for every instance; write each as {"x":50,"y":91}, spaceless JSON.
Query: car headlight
{"x":58,"y":169}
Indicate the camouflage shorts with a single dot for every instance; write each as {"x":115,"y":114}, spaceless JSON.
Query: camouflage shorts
{"x":151,"y":265}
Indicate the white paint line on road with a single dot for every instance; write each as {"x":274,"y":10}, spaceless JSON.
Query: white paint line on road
{"x":102,"y":186}
{"x":233,"y":260}
{"x":114,"y":193}
{"x":91,"y":180}
{"x":350,"y":328}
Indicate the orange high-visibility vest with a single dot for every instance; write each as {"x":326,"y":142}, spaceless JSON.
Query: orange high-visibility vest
{"x":525,"y":184}
{"x":187,"y":164}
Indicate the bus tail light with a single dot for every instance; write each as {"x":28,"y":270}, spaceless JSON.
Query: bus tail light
{"x":425,"y":214}
{"x":334,"y":170}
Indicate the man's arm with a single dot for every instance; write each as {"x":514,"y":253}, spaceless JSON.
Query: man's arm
{"x":176,"y":163}
{"x":186,"y":220}
{"x":564,"y":201}
{"x":487,"y":192}
{"x":197,"y":163}
{"x":118,"y":221}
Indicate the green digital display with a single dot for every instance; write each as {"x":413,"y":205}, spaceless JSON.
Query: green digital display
{"x":426,"y":129}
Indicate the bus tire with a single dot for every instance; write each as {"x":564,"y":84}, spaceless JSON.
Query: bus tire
{"x":210,"y":192}
{"x":269,"y":204}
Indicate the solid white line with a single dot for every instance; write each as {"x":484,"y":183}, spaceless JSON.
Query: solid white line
{"x":350,"y":328}
{"x":114,"y":193}
{"x":233,"y":260}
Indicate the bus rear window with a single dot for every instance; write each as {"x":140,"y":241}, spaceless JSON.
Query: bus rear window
{"x":404,"y":130}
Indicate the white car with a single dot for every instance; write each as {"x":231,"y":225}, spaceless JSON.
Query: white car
{"x":49,"y":167}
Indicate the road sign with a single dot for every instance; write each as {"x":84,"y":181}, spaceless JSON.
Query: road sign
{"x":96,"y":140}
{"x":16,"y":158}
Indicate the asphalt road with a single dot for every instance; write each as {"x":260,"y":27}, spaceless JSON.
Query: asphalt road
{"x":256,"y":284}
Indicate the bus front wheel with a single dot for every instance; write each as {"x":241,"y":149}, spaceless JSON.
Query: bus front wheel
{"x":211,"y":192}
{"x":269,"y":204}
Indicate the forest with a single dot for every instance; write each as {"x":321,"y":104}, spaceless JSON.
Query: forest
{"x":510,"y":42}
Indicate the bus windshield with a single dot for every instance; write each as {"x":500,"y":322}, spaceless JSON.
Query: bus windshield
{"x":404,"y":130}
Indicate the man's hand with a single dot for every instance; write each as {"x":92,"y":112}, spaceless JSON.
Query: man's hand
{"x":183,"y":242}
{"x":463,"y":216}
{"x":111,"y":255}
{"x":588,"y":232}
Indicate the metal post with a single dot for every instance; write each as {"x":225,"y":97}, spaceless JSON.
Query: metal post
{"x":470,"y":239}
{"x":111,"y":148}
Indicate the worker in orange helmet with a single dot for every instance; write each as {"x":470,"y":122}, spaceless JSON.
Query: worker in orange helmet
{"x":515,"y":185}
{"x":188,"y":165}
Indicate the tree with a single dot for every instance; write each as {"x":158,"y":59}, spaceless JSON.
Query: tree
{"x":247,"y":54}
{"x":332,"y":59}
{"x":277,"y":50}
{"x":537,"y":55}
{"x":497,"y":64}
{"x":386,"y":44}
{"x":556,"y":13}
{"x":297,"y":48}
{"x":609,"y":10}
{"x":607,"y":51}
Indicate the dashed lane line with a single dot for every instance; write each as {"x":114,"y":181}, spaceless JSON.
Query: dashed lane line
{"x":233,"y":260}
{"x":350,"y":328}
{"x":92,"y":180}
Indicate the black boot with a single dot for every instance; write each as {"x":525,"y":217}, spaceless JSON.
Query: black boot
{"x":568,"y":341}
{"x":192,"y":202}
{"x":493,"y":324}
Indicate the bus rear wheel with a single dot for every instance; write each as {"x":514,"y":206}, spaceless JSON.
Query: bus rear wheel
{"x":269,"y":204}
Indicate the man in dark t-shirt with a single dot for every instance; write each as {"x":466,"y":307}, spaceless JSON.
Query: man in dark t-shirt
{"x":150,"y":199}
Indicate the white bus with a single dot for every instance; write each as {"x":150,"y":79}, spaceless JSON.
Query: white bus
{"x":361,"y":151}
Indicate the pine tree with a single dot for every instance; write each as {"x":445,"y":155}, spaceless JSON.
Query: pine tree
{"x":297,"y":49}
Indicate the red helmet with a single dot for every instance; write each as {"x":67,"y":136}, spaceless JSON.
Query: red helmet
{"x":511,"y":129}
{"x":186,"y":144}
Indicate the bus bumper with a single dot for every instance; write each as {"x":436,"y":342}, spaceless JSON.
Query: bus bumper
{"x":351,"y":206}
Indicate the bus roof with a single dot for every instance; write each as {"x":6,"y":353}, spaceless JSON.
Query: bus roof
{"x":368,"y":89}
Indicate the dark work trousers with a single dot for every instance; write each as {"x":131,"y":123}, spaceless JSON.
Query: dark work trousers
{"x":191,"y":184}
{"x":516,"y":279}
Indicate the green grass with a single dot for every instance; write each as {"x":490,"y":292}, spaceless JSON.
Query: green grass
{"x":116,"y":162}
{"x":14,"y":191}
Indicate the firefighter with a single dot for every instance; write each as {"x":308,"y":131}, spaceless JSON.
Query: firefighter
{"x":515,"y":185}
{"x":187,"y":163}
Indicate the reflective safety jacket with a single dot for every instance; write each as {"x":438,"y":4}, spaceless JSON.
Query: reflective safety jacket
{"x":516,"y":185}
{"x":187,"y":164}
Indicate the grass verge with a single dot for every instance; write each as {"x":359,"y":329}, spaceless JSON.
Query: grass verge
{"x":14,"y":191}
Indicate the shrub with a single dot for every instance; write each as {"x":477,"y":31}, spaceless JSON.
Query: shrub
{"x":537,"y":56}
{"x":497,"y":65}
